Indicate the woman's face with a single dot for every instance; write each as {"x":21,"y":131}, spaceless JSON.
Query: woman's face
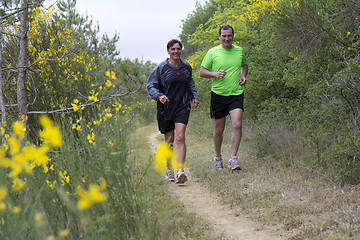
{"x":175,"y":52}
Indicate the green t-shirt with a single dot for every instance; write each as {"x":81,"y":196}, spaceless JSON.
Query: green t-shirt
{"x":218,"y":58}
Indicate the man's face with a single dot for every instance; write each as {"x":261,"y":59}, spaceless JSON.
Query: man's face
{"x":175,"y":52}
{"x":226,"y":37}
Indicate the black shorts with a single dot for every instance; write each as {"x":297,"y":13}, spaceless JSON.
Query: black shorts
{"x":220,"y":106}
{"x":166,"y":126}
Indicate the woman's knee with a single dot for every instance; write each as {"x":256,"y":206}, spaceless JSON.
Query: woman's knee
{"x":180,"y":137}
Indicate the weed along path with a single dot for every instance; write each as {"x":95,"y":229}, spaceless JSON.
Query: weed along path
{"x":225,"y":221}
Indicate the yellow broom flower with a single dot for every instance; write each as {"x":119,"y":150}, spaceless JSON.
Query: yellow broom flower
{"x":51,"y":133}
{"x":165,"y":158}
{"x":94,"y":195}
{"x":3,"y":193}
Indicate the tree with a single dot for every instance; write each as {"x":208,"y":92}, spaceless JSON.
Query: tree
{"x":198,"y":17}
{"x":304,"y":75}
{"x":22,"y":78}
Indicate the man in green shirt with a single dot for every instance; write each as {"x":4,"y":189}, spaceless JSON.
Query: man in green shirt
{"x":227,"y":66}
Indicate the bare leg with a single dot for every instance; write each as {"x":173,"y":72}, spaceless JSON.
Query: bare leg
{"x":218,"y":135}
{"x":236,"y":133}
{"x":180,"y":142}
{"x":169,"y":138}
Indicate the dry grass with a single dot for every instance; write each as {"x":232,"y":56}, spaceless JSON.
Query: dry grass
{"x":305,"y":206}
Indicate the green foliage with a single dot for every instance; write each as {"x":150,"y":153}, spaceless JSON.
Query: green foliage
{"x":303,"y":76}
{"x":199,"y":16}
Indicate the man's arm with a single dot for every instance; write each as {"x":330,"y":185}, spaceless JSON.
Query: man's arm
{"x":205,"y":73}
{"x":244,"y":72}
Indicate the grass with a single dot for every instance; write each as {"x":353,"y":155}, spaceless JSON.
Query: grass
{"x":305,"y":206}
{"x":128,"y":200}
{"x":168,"y":215}
{"x":139,"y":205}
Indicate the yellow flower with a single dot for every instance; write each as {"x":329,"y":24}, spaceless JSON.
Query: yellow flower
{"x":39,"y":219}
{"x":103,"y":184}
{"x":16,"y":210}
{"x":113,"y":75}
{"x":19,"y":163}
{"x":164,"y":158}
{"x":37,"y":155}
{"x":75,"y":107}
{"x":51,"y":185}
{"x":18,"y":184}
{"x":108,"y":83}
{"x":84,"y":202}
{"x":14,"y":145}
{"x":94,"y":195}
{"x":91,"y":138}
{"x":64,"y":233}
{"x":3,"y":193}
{"x":50,"y":133}
{"x":65,"y":178}
{"x":94,"y":98}
{"x":110,"y":74}
{"x":19,"y":129}
{"x":6,"y":147}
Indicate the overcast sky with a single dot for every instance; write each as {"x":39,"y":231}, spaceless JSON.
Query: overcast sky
{"x":144,"y":26}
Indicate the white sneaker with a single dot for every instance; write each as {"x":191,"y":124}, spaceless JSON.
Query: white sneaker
{"x":181,"y":177}
{"x":233,"y":163}
{"x":170,"y":175}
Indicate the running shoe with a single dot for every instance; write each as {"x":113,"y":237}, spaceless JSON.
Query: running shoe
{"x":181,"y":177}
{"x":218,"y":163}
{"x":170,"y":175}
{"x":233,"y":163}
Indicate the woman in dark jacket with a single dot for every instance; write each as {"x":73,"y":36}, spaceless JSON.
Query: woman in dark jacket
{"x":172,"y":86}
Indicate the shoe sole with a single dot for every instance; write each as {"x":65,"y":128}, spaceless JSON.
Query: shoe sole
{"x":181,"y":179}
{"x":237,"y":168}
{"x":170,"y":179}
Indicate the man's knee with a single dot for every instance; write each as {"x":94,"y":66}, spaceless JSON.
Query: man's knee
{"x":237,"y":125}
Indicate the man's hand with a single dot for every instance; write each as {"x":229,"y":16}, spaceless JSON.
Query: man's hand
{"x":206,"y":73}
{"x":220,"y":73}
{"x":244,"y":72}
{"x":242,"y":80}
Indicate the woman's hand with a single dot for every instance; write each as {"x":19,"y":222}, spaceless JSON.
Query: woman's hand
{"x":195,"y":102}
{"x":163,"y":99}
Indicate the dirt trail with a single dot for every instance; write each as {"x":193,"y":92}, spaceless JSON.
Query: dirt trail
{"x":199,"y":200}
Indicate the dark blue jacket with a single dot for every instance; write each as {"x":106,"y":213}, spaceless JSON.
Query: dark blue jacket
{"x":169,"y":80}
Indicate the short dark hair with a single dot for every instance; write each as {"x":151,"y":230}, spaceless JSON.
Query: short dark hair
{"x":172,"y":42}
{"x":226,"y":27}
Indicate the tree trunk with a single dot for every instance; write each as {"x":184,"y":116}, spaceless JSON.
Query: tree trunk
{"x":22,"y":76}
{"x":2,"y":104}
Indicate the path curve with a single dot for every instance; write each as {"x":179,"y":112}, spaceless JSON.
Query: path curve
{"x":197,"y":199}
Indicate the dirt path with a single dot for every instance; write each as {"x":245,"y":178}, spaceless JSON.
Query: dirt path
{"x":208,"y":206}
